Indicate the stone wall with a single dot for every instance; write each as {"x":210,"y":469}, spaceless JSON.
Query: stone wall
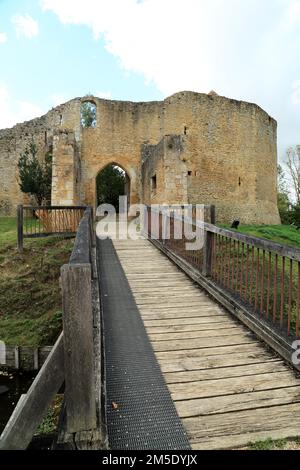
{"x":165,"y":164}
{"x":202,"y":149}
{"x":14,"y":141}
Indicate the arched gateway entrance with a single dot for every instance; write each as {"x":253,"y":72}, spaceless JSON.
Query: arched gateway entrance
{"x":112,"y":181}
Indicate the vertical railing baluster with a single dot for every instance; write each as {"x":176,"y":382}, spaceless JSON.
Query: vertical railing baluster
{"x":298,"y":302}
{"x":257,"y":278}
{"x":247,"y":274}
{"x":233,"y":266}
{"x":269,"y":284}
{"x":290,"y":308}
{"x":252,"y":274}
{"x":282,"y":293}
{"x":242,"y":270}
{"x":262,"y":295}
{"x":275,"y":289}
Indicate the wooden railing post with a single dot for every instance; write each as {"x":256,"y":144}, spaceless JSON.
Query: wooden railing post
{"x":209,"y":216}
{"x":20,"y":227}
{"x":79,"y":350}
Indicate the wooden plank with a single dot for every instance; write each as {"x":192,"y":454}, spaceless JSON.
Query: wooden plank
{"x":30,"y":411}
{"x":193,"y":334}
{"x":165,"y":299}
{"x":187,"y":321}
{"x":179,"y":303}
{"x":240,"y":441}
{"x":158,"y":315}
{"x":178,"y":345}
{"x":225,"y":372}
{"x":79,"y":349}
{"x":138,"y":276}
{"x":187,"y":307}
{"x":213,"y":388}
{"x":143,"y":284}
{"x":208,"y":363}
{"x":238,"y":402}
{"x":232,"y":429}
{"x":178,"y":290}
{"x":191,"y":327}
{"x":212,"y":351}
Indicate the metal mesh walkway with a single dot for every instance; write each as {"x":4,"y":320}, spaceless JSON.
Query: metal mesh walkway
{"x":140,"y":410}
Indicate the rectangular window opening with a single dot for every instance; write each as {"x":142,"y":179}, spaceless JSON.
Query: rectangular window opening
{"x":153,"y":184}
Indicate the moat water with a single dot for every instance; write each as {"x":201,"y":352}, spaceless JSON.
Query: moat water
{"x":12,"y":386}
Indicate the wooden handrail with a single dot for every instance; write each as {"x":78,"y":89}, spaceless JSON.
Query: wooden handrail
{"x":277,"y":248}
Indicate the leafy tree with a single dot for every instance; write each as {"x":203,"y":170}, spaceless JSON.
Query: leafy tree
{"x":88,"y":114}
{"x":110,"y":184}
{"x":35,"y":177}
{"x":296,"y":216}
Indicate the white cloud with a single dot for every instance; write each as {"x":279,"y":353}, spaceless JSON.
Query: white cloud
{"x":195,"y":44}
{"x":25,"y":26}
{"x":3,"y":38}
{"x":291,"y":18}
{"x":57,"y":99}
{"x":245,"y":49}
{"x":296,"y":92}
{"x":27,"y":110}
{"x":14,"y":111}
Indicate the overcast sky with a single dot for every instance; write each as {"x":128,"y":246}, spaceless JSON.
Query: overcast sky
{"x":54,"y":50}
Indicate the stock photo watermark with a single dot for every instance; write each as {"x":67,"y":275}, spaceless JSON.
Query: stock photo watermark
{"x":296,"y":354}
{"x":158,"y":222}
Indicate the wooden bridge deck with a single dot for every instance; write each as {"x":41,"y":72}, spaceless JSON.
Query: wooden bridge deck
{"x":228,"y":388}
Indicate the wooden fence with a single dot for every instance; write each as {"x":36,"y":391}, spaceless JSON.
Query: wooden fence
{"x":75,"y":359}
{"x":44,"y":221}
{"x":256,"y":279}
{"x":23,"y":357}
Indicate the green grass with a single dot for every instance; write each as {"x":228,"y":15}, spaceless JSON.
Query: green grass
{"x":30,"y":297}
{"x":270,"y":444}
{"x":8,"y":231}
{"x":50,"y":421}
{"x":284,"y":234}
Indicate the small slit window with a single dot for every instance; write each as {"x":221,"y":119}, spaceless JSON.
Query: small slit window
{"x":88,"y":115}
{"x":153,"y":184}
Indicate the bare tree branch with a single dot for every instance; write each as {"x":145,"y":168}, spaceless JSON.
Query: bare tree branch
{"x":293,"y":166}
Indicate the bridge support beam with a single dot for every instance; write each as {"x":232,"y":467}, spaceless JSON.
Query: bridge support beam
{"x":209,"y":216}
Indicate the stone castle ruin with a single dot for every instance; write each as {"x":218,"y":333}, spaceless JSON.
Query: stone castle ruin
{"x":190,"y":148}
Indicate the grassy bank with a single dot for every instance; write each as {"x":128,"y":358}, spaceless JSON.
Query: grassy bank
{"x":284,"y":234}
{"x":281,"y":444}
{"x":30,"y":298}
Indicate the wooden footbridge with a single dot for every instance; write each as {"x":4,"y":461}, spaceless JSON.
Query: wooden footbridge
{"x":168,"y":348}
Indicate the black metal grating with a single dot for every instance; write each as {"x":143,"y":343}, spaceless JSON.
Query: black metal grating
{"x":145,"y":416}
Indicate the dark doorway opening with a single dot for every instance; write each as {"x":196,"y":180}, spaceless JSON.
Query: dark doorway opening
{"x":111,"y":183}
